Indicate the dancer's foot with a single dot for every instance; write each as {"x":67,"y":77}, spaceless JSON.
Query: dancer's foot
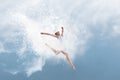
{"x":73,"y":67}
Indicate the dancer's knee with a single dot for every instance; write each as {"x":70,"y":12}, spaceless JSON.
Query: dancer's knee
{"x":64,"y":53}
{"x":57,"y":52}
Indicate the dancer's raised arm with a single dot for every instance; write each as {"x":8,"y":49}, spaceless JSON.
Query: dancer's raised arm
{"x":62,"y":31}
{"x":43,"y":33}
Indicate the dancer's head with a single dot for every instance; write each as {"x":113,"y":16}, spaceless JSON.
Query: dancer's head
{"x":57,"y":33}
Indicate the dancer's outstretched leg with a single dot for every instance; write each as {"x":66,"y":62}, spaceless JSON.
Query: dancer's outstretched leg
{"x":54,"y":50}
{"x":68,"y":59}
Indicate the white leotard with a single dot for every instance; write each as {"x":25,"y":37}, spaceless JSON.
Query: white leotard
{"x":60,"y":38}
{"x":59,"y":43}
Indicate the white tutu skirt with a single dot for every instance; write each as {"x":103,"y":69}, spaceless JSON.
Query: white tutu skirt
{"x":58,"y":45}
{"x":55,"y":43}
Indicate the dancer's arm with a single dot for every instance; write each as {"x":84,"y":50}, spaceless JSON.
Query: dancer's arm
{"x":43,"y":33}
{"x":62,"y":31}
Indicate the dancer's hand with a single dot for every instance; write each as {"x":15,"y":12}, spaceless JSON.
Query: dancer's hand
{"x":41,"y":33}
{"x":61,"y":27}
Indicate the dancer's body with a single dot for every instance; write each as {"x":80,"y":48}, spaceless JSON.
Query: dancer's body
{"x":59,"y":36}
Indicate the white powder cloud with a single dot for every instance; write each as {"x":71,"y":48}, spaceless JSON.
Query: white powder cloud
{"x":33,"y":29}
{"x":34,"y":66}
{"x":46,"y":23}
